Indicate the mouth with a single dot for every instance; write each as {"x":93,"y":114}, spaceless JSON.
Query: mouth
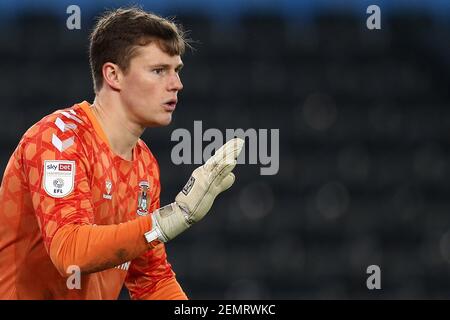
{"x":170,"y":105}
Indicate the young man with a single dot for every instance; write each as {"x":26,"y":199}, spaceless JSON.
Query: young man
{"x":81,"y":191}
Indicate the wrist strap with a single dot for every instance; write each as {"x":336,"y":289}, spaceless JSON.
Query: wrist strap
{"x":155,"y":233}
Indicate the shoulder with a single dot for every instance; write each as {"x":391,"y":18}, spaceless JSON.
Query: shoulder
{"x":65,"y":130}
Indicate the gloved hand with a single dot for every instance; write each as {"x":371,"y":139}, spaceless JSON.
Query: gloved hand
{"x":197,"y":196}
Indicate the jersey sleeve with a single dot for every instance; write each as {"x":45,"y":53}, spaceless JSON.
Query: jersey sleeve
{"x":150,"y":276}
{"x":57,"y":170}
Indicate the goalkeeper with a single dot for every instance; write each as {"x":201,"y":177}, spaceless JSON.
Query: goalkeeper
{"x":81,"y":191}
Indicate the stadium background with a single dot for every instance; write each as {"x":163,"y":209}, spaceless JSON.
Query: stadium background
{"x":363,"y":116}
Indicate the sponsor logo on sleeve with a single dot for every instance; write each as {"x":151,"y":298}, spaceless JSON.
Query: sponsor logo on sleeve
{"x":59,"y":177}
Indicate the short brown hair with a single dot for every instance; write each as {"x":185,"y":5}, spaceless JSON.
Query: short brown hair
{"x":119,"y":32}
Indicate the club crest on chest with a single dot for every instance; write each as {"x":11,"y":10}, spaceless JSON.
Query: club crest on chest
{"x":143,"y":198}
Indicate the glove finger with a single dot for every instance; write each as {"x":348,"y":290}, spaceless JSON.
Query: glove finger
{"x":227,"y":182}
{"x":222,"y":170}
{"x":225,"y":154}
{"x":229,"y":161}
{"x":227,"y":165}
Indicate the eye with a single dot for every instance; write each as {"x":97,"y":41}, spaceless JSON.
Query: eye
{"x":158,"y":71}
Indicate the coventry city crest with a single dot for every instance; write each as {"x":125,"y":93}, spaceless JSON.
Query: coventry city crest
{"x":143,"y":204}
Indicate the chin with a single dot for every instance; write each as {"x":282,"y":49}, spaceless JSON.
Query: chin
{"x":167,"y":119}
{"x":162,"y":122}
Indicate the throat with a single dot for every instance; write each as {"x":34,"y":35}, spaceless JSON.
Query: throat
{"x":120,"y":139}
{"x":128,"y":156}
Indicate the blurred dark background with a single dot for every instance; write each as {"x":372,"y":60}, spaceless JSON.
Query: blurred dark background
{"x":364,"y":120}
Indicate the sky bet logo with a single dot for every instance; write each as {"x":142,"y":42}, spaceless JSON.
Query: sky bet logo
{"x":59,"y":177}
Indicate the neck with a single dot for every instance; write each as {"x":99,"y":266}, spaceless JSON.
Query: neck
{"x":122,"y":133}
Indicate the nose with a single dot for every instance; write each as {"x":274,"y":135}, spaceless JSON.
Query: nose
{"x":175,"y":83}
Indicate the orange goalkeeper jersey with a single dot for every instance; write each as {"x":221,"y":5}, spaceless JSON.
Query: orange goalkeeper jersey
{"x":64,"y":172}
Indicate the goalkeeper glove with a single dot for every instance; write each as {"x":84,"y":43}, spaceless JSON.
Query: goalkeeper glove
{"x":197,"y":196}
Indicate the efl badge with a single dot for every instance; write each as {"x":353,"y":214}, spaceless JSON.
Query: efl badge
{"x":143,"y":204}
{"x":59,"y":177}
{"x":108,"y":186}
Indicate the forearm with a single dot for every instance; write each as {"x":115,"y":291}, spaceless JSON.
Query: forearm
{"x":95,"y":248}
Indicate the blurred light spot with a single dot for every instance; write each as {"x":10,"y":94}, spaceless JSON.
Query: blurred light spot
{"x":429,"y":162}
{"x":354,"y":163}
{"x":332,"y":200}
{"x":246,"y":289}
{"x":256,"y":200}
{"x":319,"y":111}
